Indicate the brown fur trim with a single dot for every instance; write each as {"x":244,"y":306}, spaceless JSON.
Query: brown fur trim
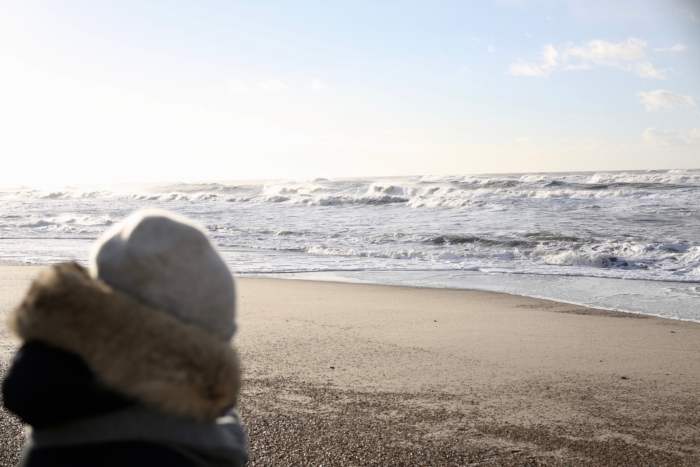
{"x":137,"y":350}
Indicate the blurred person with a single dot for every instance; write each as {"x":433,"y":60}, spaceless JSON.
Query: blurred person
{"x":129,"y":363}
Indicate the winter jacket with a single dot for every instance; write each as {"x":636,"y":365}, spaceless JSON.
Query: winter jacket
{"x":105,"y":380}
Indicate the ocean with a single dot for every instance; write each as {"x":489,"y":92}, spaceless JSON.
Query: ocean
{"x":617,"y":240}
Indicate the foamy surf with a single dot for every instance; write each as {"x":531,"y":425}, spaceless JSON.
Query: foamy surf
{"x":643,"y":226}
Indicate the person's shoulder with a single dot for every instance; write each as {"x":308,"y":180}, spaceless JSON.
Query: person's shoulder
{"x":118,"y":454}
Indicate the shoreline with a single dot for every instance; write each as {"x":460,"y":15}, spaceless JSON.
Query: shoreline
{"x":340,"y":373}
{"x":466,"y":289}
{"x":337,"y":278}
{"x":559,"y":288}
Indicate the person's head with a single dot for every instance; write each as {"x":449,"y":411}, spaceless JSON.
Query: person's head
{"x":169,"y":263}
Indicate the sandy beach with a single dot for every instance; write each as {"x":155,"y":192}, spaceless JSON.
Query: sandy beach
{"x":351,"y":374}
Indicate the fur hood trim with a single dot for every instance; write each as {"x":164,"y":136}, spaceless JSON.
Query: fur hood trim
{"x":144,"y":353}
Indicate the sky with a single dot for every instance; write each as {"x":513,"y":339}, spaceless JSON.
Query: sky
{"x":184,"y":90}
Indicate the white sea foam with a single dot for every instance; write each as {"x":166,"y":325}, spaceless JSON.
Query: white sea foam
{"x":624,"y":225}
{"x":427,"y":191}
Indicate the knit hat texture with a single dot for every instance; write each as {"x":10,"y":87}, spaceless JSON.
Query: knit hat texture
{"x":168,"y":262}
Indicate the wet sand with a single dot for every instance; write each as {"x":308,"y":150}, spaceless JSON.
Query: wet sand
{"x":348,"y":374}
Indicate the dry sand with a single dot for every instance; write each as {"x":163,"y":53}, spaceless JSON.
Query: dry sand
{"x":14,"y":281}
{"x":348,"y":374}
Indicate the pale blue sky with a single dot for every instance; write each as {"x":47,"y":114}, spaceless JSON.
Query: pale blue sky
{"x":98,"y":91}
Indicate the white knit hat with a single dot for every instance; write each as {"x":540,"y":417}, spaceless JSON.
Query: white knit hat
{"x":168,"y":262}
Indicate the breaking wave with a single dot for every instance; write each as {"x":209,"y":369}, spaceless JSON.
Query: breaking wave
{"x":631,"y":225}
{"x":417,"y":192}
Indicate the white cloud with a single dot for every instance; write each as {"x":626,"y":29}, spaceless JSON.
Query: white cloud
{"x":647,"y":70}
{"x":523,"y":140}
{"x":550,"y":56}
{"x":628,"y":55}
{"x":655,"y":138}
{"x":602,"y":52}
{"x":673,"y":48}
{"x":654,"y":100}
{"x":528,"y":69}
{"x":317,"y":85}
{"x":580,"y":66}
{"x":272,"y":85}
{"x":491,"y":49}
{"x":237,"y":87}
{"x":548,"y":18}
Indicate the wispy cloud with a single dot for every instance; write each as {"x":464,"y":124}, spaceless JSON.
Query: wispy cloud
{"x":317,"y":85}
{"x":491,"y":49}
{"x":628,"y":55}
{"x":655,"y":137}
{"x":673,"y":48}
{"x":272,"y":85}
{"x":690,"y":15}
{"x":528,"y":69}
{"x":661,"y":98}
{"x":647,"y":70}
{"x":602,"y":52}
